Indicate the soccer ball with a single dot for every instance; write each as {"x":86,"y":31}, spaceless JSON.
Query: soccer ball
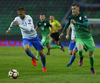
{"x":13,"y":74}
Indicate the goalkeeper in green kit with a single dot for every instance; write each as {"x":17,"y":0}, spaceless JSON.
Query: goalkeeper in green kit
{"x":82,"y":34}
{"x":44,"y":25}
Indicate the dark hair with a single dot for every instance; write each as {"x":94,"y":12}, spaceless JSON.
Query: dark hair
{"x":42,"y":14}
{"x":21,"y":9}
{"x":74,"y":4}
{"x":51,"y":15}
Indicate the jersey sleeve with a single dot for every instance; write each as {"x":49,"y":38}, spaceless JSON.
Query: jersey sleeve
{"x":12,"y":23}
{"x":58,"y":24}
{"x":49,"y":24}
{"x":29,"y":25}
{"x":37,"y":24}
{"x":67,"y":25}
{"x":84,"y":21}
{"x":84,"y":17}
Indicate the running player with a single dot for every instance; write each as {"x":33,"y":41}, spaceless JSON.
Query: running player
{"x":29,"y":36}
{"x":44,"y":25}
{"x":72,"y":45}
{"x":82,"y":34}
{"x":54,"y":35}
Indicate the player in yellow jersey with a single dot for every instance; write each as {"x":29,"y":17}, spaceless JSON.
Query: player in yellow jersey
{"x":55,"y":35}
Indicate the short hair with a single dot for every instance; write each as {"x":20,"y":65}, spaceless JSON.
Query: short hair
{"x":51,"y":15}
{"x":42,"y":14}
{"x":74,"y":4}
{"x":21,"y":9}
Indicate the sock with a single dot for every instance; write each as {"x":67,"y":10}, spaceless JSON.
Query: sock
{"x":80,"y":52}
{"x":72,"y":59}
{"x":91,"y":61}
{"x":43,"y":59}
{"x":29,"y":54}
{"x":55,"y":46}
{"x":37,"y":56}
{"x":48,"y":50}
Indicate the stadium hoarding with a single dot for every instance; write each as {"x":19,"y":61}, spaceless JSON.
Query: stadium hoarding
{"x":9,"y":43}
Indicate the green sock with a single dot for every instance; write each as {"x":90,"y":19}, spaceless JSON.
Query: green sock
{"x":91,"y":61}
{"x":55,"y":46}
{"x":37,"y":56}
{"x":80,"y":52}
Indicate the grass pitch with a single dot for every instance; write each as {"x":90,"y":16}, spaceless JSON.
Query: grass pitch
{"x":57,"y":72}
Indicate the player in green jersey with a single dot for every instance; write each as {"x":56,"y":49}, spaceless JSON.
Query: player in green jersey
{"x":44,"y":25}
{"x":83,"y":35}
{"x":55,"y":34}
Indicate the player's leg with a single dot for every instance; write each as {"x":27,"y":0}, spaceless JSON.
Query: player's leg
{"x":27,"y":50}
{"x":48,"y":53}
{"x":91,"y":47}
{"x":79,"y":44}
{"x":57,"y":42}
{"x":91,"y":58}
{"x":56,"y":38}
{"x":71,"y":47}
{"x":51,"y":39}
{"x":43,"y":60}
{"x":73,"y":55}
{"x":55,"y":47}
{"x":39,"y":47}
{"x":26,"y":46}
{"x":80,"y":52}
{"x":43,"y":43}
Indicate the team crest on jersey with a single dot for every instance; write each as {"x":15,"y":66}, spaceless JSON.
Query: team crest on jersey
{"x":80,"y":18}
{"x":39,"y":23}
{"x":29,"y":20}
{"x":45,"y":24}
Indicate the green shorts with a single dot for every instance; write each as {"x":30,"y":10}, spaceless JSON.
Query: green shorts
{"x":45,"y":41}
{"x":88,"y":43}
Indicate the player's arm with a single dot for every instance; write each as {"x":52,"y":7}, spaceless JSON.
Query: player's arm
{"x":36,"y":28}
{"x":67,"y":36}
{"x":51,"y":30}
{"x":11,"y":25}
{"x":85,"y":21}
{"x":29,"y":26}
{"x":90,"y":29}
{"x":66,"y":26}
{"x":59,"y":26}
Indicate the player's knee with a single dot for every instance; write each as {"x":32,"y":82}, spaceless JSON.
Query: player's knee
{"x":26,"y":49}
{"x":48,"y":46}
{"x":74,"y":52}
{"x":41,"y":54}
{"x":70,"y":52}
{"x":90,"y":53}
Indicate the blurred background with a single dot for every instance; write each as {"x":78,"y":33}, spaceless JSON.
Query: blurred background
{"x":61,"y":10}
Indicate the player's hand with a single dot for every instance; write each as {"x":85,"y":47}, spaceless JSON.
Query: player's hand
{"x":48,"y":35}
{"x":56,"y":30}
{"x":60,"y":36}
{"x":16,"y":23}
{"x":7,"y":32}
{"x":67,"y":36}
{"x":73,"y":21}
{"x":74,"y":40}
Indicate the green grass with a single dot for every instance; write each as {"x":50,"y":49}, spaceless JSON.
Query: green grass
{"x":57,"y":72}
